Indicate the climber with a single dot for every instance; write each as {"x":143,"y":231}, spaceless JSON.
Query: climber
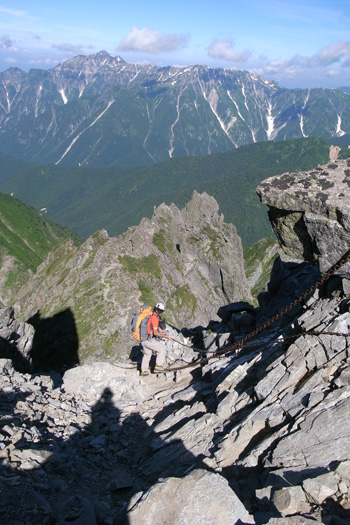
{"x":153,"y":343}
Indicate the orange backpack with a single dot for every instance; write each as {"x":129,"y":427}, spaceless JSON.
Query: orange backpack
{"x":139,"y":323}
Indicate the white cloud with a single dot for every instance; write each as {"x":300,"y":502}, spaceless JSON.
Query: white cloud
{"x":6,"y":42}
{"x":42,"y":62}
{"x":223,"y":49}
{"x":148,"y":41}
{"x":333,"y":72}
{"x":336,"y":55}
{"x":17,"y":13}
{"x":346,"y":62}
{"x":334,"y":52}
{"x":11,"y":60}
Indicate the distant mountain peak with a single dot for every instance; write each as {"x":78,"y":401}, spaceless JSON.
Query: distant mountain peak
{"x":104,"y":56}
{"x":99,"y":110}
{"x":101,"y":58}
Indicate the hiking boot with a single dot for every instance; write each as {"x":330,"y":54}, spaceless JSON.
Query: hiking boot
{"x":144,"y":373}
{"x":158,"y":368}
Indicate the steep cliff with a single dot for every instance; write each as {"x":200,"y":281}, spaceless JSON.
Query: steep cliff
{"x":310,"y":213}
{"x":191,"y":260}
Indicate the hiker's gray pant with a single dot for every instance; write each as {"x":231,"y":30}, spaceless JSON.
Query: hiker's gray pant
{"x":149,"y":346}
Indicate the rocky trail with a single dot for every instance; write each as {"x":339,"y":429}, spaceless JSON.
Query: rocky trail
{"x":268,"y":428}
{"x":261,"y":436}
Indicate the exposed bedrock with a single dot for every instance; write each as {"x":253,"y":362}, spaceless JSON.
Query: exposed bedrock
{"x":310,"y":213}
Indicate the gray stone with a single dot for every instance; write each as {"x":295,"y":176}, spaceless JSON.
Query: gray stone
{"x":78,"y":510}
{"x":320,"y":488}
{"x":200,"y":498}
{"x":290,"y":500}
{"x":321,"y":438}
{"x":121,"y":480}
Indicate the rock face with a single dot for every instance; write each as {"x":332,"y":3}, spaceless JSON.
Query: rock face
{"x":261,"y":436}
{"x":16,"y":339}
{"x":310,"y":213}
{"x":253,"y":439}
{"x":190,"y":260}
{"x":189,"y":499}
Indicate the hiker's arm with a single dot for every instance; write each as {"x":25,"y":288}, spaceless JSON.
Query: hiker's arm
{"x":157,"y":332}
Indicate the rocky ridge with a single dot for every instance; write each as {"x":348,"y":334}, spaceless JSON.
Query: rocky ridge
{"x":257,"y":437}
{"x":189,"y":259}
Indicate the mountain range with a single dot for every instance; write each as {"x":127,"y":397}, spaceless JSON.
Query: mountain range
{"x":99,"y":110}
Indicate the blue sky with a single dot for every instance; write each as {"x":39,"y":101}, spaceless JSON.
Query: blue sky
{"x":297,"y":43}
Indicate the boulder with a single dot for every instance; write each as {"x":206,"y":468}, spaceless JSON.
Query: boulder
{"x":310,"y":213}
{"x":200,"y":498}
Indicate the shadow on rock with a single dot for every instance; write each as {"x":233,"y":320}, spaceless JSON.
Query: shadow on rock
{"x":55,"y":344}
{"x":83,"y":468}
{"x":9,"y":350}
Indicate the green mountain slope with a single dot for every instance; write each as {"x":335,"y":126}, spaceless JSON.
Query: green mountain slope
{"x":115,"y":198}
{"x":26,"y":234}
{"x":26,"y":237}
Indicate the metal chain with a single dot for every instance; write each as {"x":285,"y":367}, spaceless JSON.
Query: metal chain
{"x":204,"y":360}
{"x":343,"y":260}
{"x":237,"y":346}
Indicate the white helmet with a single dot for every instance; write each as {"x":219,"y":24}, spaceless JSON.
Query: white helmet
{"x":160,"y":306}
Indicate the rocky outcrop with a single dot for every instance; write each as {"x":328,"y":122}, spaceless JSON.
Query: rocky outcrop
{"x":16,"y":339}
{"x":189,"y":498}
{"x":334,"y":153}
{"x":189,"y":259}
{"x":260,"y":435}
{"x":310,"y":213}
